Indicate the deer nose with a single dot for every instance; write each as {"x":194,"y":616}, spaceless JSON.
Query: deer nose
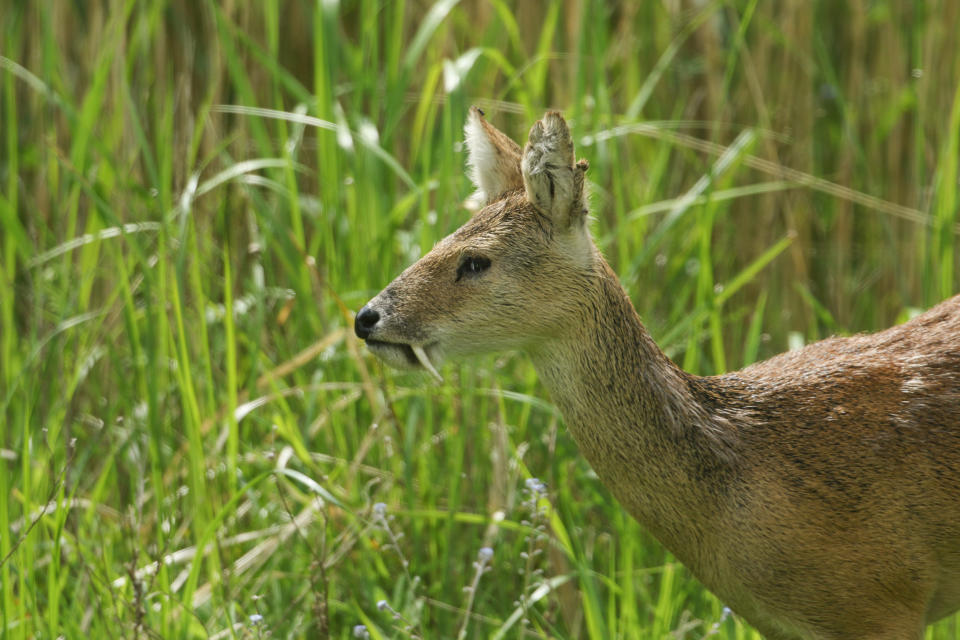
{"x":365,"y":321}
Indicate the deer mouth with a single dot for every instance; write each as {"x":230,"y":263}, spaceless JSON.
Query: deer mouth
{"x":403,"y":355}
{"x":381,"y":348}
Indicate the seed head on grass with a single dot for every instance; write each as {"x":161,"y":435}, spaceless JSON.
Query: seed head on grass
{"x":535,"y":520}
{"x":481,"y":565}
{"x":403,"y":625}
{"x":381,"y":519}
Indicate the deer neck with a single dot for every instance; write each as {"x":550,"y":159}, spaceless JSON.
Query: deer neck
{"x":636,"y":418}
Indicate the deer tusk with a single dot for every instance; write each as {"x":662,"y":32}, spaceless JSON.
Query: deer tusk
{"x":425,"y":361}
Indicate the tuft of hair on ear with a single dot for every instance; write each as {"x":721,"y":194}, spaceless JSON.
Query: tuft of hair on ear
{"x":493,"y":159}
{"x":578,"y":213}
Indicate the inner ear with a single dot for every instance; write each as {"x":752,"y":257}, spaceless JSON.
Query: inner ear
{"x":492,"y":157}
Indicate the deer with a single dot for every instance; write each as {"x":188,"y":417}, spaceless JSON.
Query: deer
{"x":816,"y":493}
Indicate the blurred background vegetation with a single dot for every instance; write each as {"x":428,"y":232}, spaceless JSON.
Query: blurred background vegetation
{"x":195,"y":195}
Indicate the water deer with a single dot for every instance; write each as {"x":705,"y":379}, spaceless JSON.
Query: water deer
{"x":816,"y":493}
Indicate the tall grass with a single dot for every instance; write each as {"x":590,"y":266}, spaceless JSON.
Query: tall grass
{"x":195,"y":195}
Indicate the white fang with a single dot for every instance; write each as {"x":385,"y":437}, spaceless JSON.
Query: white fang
{"x":425,"y":361}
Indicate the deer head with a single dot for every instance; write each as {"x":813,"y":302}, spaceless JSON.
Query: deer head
{"x":513,"y":275}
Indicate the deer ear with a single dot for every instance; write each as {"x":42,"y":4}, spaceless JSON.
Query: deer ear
{"x":554,"y":183}
{"x":492,"y":157}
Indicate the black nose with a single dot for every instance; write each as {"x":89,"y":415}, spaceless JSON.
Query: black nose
{"x":365,"y":321}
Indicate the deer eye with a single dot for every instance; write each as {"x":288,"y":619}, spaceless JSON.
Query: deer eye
{"x":472,"y":266}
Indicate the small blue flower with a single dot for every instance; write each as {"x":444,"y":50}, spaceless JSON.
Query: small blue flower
{"x":380,"y":509}
{"x":536,"y":485}
{"x":485,"y":554}
{"x":256,"y":618}
{"x":382,"y":605}
{"x":360,"y":631}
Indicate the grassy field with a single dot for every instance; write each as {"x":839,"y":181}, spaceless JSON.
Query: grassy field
{"x":196,"y":195}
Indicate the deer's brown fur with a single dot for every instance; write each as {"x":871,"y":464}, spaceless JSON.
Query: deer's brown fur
{"x":817,"y":493}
